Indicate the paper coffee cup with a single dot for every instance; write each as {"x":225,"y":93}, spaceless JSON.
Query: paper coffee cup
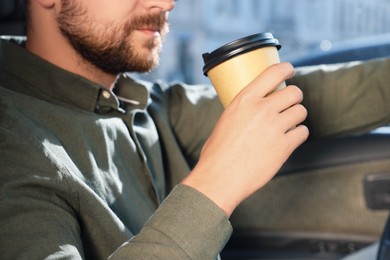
{"x":233,"y":66}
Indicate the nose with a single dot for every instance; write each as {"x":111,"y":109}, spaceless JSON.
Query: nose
{"x":163,"y":5}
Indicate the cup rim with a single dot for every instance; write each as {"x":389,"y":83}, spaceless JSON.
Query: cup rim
{"x":237,"y":47}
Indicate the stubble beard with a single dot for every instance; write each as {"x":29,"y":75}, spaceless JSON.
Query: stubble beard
{"x":109,"y":47}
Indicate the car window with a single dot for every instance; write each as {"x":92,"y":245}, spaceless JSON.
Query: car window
{"x":310,"y":31}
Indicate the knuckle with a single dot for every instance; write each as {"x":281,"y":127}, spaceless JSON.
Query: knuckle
{"x":302,"y":111}
{"x":283,"y":70}
{"x":305,"y":132}
{"x":298,"y":94}
{"x":302,"y":108}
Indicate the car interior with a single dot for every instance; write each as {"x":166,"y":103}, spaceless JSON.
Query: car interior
{"x":330,"y":199}
{"x":12,"y":17}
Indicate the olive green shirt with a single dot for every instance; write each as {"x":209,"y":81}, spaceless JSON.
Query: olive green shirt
{"x":82,"y":168}
{"x":346,"y":98}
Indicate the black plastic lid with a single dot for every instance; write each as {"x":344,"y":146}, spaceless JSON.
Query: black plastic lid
{"x":238,"y":47}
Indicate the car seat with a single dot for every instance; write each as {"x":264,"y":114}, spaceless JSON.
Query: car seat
{"x":315,"y":207}
{"x":12,"y":17}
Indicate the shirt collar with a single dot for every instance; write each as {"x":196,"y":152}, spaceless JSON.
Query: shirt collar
{"x":27,"y":73}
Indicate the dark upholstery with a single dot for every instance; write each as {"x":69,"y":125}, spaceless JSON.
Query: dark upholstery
{"x":12,"y":17}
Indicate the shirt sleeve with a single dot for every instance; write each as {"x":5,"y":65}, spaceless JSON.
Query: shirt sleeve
{"x":194,"y":111}
{"x":186,"y":226}
{"x":345,"y":98}
{"x":39,"y":220}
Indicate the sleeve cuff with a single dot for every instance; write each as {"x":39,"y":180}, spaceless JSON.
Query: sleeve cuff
{"x":194,"y":223}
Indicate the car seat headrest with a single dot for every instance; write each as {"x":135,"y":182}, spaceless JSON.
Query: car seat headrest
{"x":12,"y":17}
{"x":11,"y":10}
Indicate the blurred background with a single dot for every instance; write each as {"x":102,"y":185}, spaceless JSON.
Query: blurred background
{"x":303,"y":27}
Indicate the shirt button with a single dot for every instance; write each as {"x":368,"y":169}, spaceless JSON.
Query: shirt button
{"x":106,"y":94}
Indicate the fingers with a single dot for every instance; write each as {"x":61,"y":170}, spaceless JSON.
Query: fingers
{"x":296,"y":136}
{"x":271,"y":78}
{"x":292,"y":117}
{"x":286,"y":97}
{"x":291,"y":114}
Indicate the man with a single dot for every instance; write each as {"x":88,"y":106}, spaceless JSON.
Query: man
{"x":88,"y":155}
{"x":98,"y":165}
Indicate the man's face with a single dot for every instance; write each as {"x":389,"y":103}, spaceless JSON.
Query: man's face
{"x":128,"y":44}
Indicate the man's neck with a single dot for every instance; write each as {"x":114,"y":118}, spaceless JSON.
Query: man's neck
{"x":56,"y":49}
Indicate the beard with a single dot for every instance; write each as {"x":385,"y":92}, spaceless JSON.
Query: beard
{"x":110,"y":47}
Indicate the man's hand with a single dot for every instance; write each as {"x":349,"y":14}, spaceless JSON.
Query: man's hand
{"x":255,"y":135}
